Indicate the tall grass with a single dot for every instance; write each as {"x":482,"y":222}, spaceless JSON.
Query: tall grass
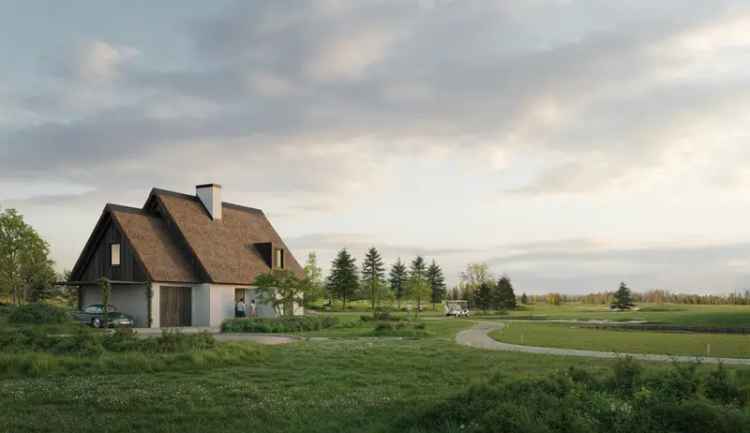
{"x":678,"y":401}
{"x":35,"y":364}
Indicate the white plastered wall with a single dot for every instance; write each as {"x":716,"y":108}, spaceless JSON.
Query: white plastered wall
{"x":212,"y":304}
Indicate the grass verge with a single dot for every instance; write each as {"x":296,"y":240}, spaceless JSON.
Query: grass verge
{"x":670,"y":343}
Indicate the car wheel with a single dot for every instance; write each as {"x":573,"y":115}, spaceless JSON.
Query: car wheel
{"x":96,"y":322}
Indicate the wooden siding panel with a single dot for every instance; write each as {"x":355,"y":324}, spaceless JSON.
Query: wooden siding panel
{"x":175,"y":307}
{"x":100,"y":263}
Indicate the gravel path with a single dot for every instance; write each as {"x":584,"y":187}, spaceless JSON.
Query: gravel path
{"x":271,"y":340}
{"x":267,"y":339}
{"x":477,"y":337}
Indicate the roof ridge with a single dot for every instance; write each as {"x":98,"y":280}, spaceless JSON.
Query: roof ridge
{"x":192,"y":197}
{"x":123,"y":208}
{"x":240,"y":207}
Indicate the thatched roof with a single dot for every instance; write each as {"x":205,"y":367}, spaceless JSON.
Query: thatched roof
{"x":175,"y":240}
{"x":154,"y":246}
{"x":226,"y":248}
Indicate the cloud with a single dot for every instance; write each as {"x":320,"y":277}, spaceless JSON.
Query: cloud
{"x":360,"y":242}
{"x":98,"y":60}
{"x":583,"y":265}
{"x":319,"y":109}
{"x":348,"y":57}
{"x":591,"y":100}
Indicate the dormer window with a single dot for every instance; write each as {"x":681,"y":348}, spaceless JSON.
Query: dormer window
{"x":279,"y":258}
{"x":115,"y":254}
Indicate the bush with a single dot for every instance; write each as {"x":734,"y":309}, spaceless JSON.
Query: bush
{"x":627,"y":375}
{"x":721,"y":387}
{"x":86,"y":342}
{"x":36,"y":314}
{"x":382,"y":316}
{"x":399,"y":329}
{"x":279,"y":324}
{"x":574,"y":401}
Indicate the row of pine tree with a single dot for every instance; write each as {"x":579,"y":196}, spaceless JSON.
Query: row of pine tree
{"x":417,"y":281}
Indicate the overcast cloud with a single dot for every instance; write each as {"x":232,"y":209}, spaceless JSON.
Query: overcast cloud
{"x":462,"y":130}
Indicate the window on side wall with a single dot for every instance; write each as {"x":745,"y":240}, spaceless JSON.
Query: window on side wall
{"x":115,"y":254}
{"x":279,"y":258}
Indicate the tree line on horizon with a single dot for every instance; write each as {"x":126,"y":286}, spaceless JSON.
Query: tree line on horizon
{"x":655,"y":296}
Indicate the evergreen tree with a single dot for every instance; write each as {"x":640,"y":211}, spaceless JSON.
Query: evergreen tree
{"x":343,"y":281}
{"x":483,"y":296}
{"x":623,"y":299}
{"x":398,"y":278}
{"x":437,"y":283}
{"x":419,"y":286}
{"x":373,"y":276}
{"x":471,"y":280}
{"x":505,"y":298}
{"x":524,"y":299}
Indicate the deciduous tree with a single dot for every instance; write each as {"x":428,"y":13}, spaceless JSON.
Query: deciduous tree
{"x":282,"y":289}
{"x":553,"y":298}
{"x":472,"y":279}
{"x":313,"y":279}
{"x":25,"y":267}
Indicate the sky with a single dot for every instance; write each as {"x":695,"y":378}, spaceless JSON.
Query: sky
{"x":570,"y":144}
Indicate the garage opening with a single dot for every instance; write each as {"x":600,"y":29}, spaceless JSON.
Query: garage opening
{"x":175,"y":306}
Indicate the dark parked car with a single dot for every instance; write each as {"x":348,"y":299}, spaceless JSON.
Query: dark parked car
{"x":94,"y":315}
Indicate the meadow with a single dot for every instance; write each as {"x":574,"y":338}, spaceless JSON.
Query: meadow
{"x":351,"y":380}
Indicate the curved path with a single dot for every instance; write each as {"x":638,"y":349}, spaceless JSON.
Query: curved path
{"x":267,"y":339}
{"x":477,"y":337}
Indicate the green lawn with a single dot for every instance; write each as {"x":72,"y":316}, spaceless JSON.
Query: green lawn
{"x":340,"y":384}
{"x":336,"y":385}
{"x":671,"y":343}
{"x":678,"y":314}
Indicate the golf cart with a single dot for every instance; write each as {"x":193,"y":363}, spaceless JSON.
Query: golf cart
{"x":456,"y":308}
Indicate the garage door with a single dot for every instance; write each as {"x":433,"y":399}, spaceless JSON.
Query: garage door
{"x":175,"y":306}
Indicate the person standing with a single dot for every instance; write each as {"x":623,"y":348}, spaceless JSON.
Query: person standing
{"x":252,"y":308}
{"x":240,"y":308}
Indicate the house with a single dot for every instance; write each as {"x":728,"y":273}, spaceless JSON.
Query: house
{"x":181,"y":260}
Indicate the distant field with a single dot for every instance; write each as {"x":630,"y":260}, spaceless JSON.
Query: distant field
{"x":574,"y":337}
{"x":677,"y":314}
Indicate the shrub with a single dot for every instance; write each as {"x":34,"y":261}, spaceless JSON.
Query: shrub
{"x":175,"y":341}
{"x":279,"y":324}
{"x":575,"y":402}
{"x":721,"y":387}
{"x":399,"y":329}
{"x":627,"y":375}
{"x":86,"y":342}
{"x":80,"y":343}
{"x":36,"y":314}
{"x":681,"y":382}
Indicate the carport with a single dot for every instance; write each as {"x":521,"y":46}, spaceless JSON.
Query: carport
{"x":129,"y":297}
